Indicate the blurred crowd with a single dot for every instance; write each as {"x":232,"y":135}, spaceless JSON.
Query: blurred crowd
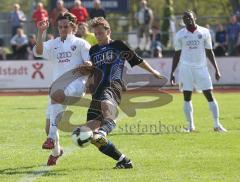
{"x":22,"y":44}
{"x":225,"y":38}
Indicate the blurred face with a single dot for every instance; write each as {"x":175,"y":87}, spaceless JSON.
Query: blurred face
{"x":19,"y":31}
{"x":143,"y":4}
{"x":220,"y":28}
{"x":32,"y":40}
{"x":78,"y":4}
{"x":16,"y":7}
{"x":96,"y":4}
{"x":188,"y":19}
{"x":64,"y":28}
{"x":40,"y":6}
{"x":233,"y":19}
{"x":59,"y":4}
{"x":82,"y":30}
{"x":102,"y":35}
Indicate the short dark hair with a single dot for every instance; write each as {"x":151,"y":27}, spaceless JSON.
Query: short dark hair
{"x":67,"y":16}
{"x":190,"y":12}
{"x":71,"y":18}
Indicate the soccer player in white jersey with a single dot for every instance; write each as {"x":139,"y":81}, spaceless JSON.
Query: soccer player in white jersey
{"x":66,"y":52}
{"x":193,"y":43}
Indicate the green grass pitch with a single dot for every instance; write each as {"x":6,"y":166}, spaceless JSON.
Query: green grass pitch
{"x":152,"y":139}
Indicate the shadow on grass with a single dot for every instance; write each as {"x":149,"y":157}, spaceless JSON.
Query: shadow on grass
{"x":34,"y":170}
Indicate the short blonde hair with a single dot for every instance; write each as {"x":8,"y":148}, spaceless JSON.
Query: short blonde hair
{"x":99,"y":21}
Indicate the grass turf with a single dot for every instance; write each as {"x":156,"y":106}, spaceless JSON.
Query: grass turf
{"x":152,"y":139}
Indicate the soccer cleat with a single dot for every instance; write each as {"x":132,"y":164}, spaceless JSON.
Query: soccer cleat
{"x":189,"y":130}
{"x":52,"y":160}
{"x":48,"y":144}
{"x":124,"y":165}
{"x":220,"y":128}
{"x":99,"y":139}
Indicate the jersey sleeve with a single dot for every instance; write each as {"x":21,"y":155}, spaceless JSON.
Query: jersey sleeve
{"x":178,"y":43}
{"x":129,"y":55}
{"x":84,"y":50}
{"x":208,"y":40}
{"x":47,"y":49}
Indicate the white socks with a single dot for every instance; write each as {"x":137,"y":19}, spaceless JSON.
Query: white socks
{"x":213,"y":106}
{"x":188,"y":110}
{"x":56,"y":150}
{"x":121,"y":158}
{"x":55,"y":109}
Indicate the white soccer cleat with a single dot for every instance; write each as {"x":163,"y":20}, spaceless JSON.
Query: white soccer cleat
{"x":220,"y":128}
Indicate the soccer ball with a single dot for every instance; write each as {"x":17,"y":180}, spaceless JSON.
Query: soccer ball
{"x":82,"y":136}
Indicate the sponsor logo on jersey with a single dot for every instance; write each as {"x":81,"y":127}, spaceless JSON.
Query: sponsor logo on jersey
{"x":64,"y":55}
{"x":73,"y":47}
{"x":193,"y":44}
{"x":63,"y":61}
{"x":106,"y":57}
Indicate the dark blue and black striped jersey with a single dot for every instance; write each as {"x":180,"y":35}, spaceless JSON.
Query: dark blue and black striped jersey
{"x":108,"y":61}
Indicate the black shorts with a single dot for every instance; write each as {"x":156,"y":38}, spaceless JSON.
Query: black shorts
{"x":112,"y":94}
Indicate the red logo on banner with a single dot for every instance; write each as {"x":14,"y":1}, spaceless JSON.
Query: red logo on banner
{"x":37,"y":67}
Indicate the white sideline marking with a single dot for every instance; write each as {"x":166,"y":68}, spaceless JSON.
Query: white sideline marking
{"x":45,"y":169}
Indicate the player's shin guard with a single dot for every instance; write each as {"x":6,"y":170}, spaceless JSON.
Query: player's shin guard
{"x":213,"y":106}
{"x":107,"y":127}
{"x":111,"y":151}
{"x":55,"y":110}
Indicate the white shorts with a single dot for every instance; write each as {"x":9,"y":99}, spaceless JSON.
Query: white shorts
{"x":77,"y":88}
{"x":194,"y":78}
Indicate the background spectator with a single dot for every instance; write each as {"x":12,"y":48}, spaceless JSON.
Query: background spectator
{"x":60,"y":9}
{"x":156,"y":45}
{"x":39,"y":13}
{"x":17,"y":17}
{"x":31,"y":44}
{"x":19,"y":44}
{"x":220,"y":41}
{"x":212,"y":33}
{"x":50,"y":36}
{"x":97,"y":10}
{"x":2,"y":50}
{"x":84,"y":33}
{"x":79,"y":11}
{"x":233,"y":30}
{"x":144,"y":19}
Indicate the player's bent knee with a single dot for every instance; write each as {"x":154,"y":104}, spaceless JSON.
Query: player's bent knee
{"x":93,"y":125}
{"x":208,"y":94}
{"x":109,"y":110}
{"x":58,"y":96}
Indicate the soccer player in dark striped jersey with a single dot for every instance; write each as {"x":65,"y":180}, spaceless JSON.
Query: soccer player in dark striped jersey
{"x":108,"y":58}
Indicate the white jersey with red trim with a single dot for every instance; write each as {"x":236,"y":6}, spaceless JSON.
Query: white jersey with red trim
{"x":65,"y":55}
{"x":193,"y":45}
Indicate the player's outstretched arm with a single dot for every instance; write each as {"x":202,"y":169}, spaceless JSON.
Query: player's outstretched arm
{"x":175,"y":62}
{"x":42,"y":27}
{"x":147,"y":67}
{"x":211,"y":57}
